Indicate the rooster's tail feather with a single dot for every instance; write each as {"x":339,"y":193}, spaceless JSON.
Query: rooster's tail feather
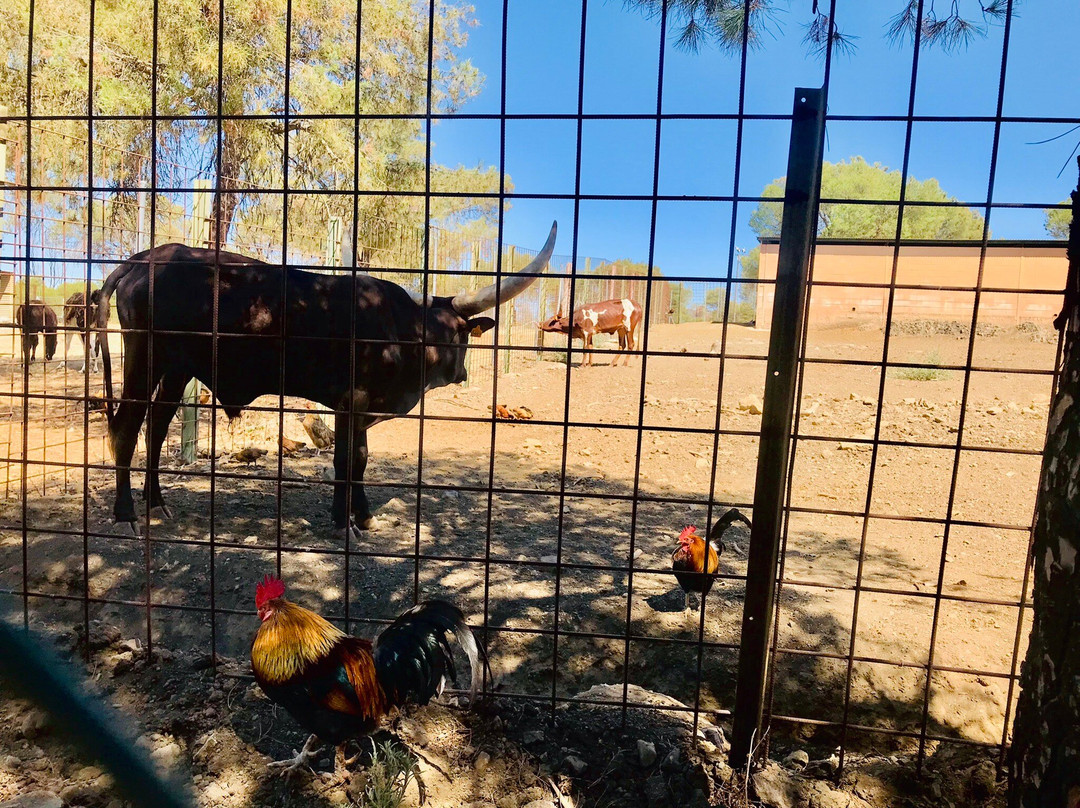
{"x":413,"y":655}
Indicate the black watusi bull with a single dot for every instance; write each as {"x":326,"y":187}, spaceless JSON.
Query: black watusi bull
{"x":296,"y":346}
{"x":32,"y":319}
{"x":77,"y":314}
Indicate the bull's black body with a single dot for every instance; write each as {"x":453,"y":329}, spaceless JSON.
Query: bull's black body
{"x":33,"y":319}
{"x":293,"y":345}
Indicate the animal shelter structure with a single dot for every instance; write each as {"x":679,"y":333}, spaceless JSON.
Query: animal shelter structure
{"x":1021,"y":280}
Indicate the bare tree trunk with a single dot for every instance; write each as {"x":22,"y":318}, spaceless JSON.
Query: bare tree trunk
{"x":229,"y":179}
{"x":1044,"y":762}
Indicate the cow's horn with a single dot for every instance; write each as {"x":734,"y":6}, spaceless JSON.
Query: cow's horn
{"x":469,"y":303}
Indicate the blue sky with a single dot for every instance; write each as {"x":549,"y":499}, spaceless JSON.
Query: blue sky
{"x":697,"y":157}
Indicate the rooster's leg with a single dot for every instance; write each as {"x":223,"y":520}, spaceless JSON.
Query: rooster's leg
{"x":290,"y":766}
{"x":686,"y":602}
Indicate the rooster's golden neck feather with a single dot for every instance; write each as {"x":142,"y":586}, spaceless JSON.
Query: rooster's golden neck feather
{"x":289,"y":640}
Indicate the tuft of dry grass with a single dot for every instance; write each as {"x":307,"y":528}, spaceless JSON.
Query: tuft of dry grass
{"x":391,"y":770}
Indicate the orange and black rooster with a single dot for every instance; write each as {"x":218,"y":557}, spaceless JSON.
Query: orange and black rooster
{"x":688,"y":559}
{"x":339,"y":687}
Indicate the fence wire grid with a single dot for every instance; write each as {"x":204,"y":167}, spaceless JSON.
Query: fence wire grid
{"x":903,"y":595}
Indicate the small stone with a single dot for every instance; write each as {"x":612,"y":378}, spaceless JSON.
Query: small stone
{"x":88,"y":773}
{"x":656,"y":792}
{"x":701,"y":463}
{"x":797,"y":760}
{"x":539,"y":804}
{"x":10,"y":763}
{"x":34,"y":799}
{"x":215,"y":792}
{"x":646,"y":751}
{"x":575,"y":765}
{"x":122,"y":663}
{"x":450,"y":494}
{"x":715,"y":735}
{"x":167,"y":756}
{"x":751,"y":404}
{"x":549,"y":559}
{"x":103,"y":635}
{"x":483,"y":760}
{"x":533,"y":736}
{"x":35,"y":723}
{"x":672,"y":760}
{"x":78,"y":794}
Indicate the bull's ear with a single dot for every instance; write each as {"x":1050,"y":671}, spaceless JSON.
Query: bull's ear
{"x":478,"y":325}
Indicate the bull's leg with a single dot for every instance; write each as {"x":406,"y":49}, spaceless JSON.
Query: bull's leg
{"x":124,"y":429}
{"x":354,"y":463}
{"x":622,"y":348}
{"x":166,"y":403}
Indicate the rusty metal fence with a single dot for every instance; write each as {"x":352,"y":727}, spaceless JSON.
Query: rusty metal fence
{"x":888,"y":595}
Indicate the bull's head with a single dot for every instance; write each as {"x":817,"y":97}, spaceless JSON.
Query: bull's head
{"x":452,"y":321}
{"x":558,"y":324}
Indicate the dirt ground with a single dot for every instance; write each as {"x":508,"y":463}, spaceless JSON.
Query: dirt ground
{"x":507,"y":565}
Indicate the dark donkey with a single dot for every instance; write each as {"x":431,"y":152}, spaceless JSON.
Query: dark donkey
{"x":33,"y":319}
{"x":298,"y":345}
{"x":78,"y":317}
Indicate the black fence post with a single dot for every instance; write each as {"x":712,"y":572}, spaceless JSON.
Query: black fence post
{"x":796,"y":234}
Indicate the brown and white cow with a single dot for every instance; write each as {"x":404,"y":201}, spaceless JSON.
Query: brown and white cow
{"x":620,"y":316}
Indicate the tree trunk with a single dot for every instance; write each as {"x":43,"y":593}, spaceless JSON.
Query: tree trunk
{"x":229,"y":179}
{"x":1044,"y":762}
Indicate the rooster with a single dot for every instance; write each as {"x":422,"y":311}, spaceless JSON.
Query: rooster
{"x":688,"y":559}
{"x":290,"y":446}
{"x":339,"y":687}
{"x":322,"y":436}
{"x":249,"y":455}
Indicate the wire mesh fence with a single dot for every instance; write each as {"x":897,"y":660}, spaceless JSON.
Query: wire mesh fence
{"x":544,"y":496}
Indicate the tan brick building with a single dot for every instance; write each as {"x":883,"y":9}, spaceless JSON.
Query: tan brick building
{"x":1022,"y":281}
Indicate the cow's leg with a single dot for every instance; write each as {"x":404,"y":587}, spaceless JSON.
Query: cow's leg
{"x":352,"y":463}
{"x":622,"y":347}
{"x":95,"y":355}
{"x":629,"y":346}
{"x":586,"y":345}
{"x":124,"y":429}
{"x":68,"y":335}
{"x":166,"y":403}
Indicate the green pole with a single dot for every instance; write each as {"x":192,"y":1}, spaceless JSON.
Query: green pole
{"x":189,"y":420}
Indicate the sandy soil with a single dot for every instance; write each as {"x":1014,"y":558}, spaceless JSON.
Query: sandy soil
{"x":254,"y":520}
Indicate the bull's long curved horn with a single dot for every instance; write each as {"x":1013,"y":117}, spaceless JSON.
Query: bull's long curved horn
{"x":469,"y":303}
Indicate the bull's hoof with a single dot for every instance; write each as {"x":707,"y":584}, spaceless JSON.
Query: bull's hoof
{"x":161,"y":512}
{"x":350,"y":533}
{"x":128,"y":527}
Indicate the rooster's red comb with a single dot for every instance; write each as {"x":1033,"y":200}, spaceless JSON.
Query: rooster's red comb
{"x":687,"y":531}
{"x":270,"y":588}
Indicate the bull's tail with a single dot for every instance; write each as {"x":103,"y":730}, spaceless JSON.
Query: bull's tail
{"x":101,"y":325}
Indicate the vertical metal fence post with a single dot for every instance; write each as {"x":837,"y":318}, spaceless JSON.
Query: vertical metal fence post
{"x":189,"y":423}
{"x":796,"y":234}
